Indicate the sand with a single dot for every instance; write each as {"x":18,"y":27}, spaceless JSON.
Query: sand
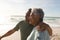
{"x":16,"y":35}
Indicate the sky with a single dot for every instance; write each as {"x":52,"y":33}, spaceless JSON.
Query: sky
{"x":19,"y":7}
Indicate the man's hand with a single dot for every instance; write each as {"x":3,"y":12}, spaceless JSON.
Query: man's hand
{"x":0,"y":37}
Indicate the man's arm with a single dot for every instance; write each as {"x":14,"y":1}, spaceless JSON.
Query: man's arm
{"x":8,"y":33}
{"x":49,"y":29}
{"x":12,"y":31}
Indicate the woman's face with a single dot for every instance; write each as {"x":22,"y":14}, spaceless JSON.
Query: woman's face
{"x":34,"y":18}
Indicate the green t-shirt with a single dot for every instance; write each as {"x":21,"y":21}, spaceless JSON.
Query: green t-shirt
{"x":25,"y":29}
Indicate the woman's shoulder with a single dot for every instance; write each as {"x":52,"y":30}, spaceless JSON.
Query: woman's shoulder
{"x":45,"y":24}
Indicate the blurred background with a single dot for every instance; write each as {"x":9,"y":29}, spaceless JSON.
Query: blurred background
{"x":13,"y":11}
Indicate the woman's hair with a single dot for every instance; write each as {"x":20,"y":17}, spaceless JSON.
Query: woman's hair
{"x":39,"y":11}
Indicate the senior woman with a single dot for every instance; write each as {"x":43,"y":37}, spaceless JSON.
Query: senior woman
{"x":41,"y":31}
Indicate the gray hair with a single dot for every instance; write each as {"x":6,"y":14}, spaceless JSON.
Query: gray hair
{"x":38,"y":11}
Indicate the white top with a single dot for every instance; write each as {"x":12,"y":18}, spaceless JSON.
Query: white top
{"x":38,"y":35}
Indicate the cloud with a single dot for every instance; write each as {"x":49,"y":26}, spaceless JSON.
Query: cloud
{"x":20,"y":6}
{"x":8,"y":7}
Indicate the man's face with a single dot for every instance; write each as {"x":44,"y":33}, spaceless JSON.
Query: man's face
{"x":34,"y":18}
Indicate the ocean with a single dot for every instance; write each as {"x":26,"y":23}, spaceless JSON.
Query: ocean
{"x":52,"y":21}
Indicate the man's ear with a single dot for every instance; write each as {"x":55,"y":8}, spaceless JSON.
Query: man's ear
{"x":28,"y":14}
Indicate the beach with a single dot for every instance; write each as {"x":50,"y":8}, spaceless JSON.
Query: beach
{"x":16,"y":35}
{"x":54,"y":23}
